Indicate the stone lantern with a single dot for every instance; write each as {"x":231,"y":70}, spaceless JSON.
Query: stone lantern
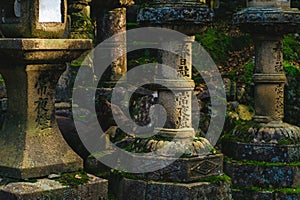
{"x":33,"y":18}
{"x":189,"y":17}
{"x":31,"y":145}
{"x":267,"y":138}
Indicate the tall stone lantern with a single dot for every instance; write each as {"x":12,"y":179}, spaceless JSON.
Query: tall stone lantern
{"x":189,"y":17}
{"x":31,"y":145}
{"x":267,"y":138}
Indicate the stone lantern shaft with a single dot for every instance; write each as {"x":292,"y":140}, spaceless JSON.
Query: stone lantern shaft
{"x":177,"y":98}
{"x":269,"y":79}
{"x":111,"y":20}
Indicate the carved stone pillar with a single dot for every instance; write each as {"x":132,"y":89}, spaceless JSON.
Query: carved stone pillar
{"x":110,"y":17}
{"x":269,"y":79}
{"x":110,"y":20}
{"x":176,"y":96}
{"x":114,"y":22}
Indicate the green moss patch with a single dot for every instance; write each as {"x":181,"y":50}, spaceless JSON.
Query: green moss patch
{"x":274,"y":190}
{"x":212,"y":179}
{"x":261,"y":163}
{"x":73,"y":179}
{"x":240,"y":133}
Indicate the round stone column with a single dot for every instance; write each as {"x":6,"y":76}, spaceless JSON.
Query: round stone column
{"x":176,"y":96}
{"x":269,"y":79}
{"x":114,"y":22}
{"x":111,"y":20}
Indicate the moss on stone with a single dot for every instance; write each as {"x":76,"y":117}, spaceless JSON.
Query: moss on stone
{"x":240,"y":132}
{"x":286,"y":142}
{"x":262,"y":163}
{"x":131,"y":25}
{"x":275,"y":190}
{"x":213,"y":179}
{"x":73,"y":178}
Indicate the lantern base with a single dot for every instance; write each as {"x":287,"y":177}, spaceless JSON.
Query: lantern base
{"x":31,"y":145}
{"x":274,"y":132}
{"x":269,"y":153}
{"x":94,"y":188}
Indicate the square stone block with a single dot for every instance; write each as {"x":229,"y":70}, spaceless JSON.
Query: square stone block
{"x":95,"y":189}
{"x":143,"y":190}
{"x":265,"y":176}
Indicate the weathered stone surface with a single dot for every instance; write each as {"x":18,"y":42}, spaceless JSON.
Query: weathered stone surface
{"x":267,"y":21}
{"x":269,"y":81}
{"x":177,"y":98}
{"x":110,"y":4}
{"x":270,"y":3}
{"x":95,"y":189}
{"x":31,"y":143}
{"x":260,"y":20}
{"x":42,"y":51}
{"x":262,"y":195}
{"x":78,"y":5}
{"x":113,"y":22}
{"x":201,"y":190}
{"x":188,"y":169}
{"x":261,"y":152}
{"x":164,"y":190}
{"x":177,"y":16}
{"x":18,"y":23}
{"x":271,"y":88}
{"x":199,"y":147}
{"x":124,"y":188}
{"x":251,"y":175}
{"x":275,"y":132}
{"x":251,"y":195}
{"x":181,"y":170}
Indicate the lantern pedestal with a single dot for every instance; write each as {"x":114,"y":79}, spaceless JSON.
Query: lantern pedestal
{"x":31,"y":145}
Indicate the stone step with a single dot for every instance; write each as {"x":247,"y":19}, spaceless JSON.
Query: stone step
{"x":125,"y":188}
{"x":261,"y":152}
{"x":95,"y":189}
{"x":247,"y":194}
{"x":263,"y":174}
{"x":181,"y":170}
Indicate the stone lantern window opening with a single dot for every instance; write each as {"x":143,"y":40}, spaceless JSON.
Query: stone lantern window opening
{"x":50,"y":11}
